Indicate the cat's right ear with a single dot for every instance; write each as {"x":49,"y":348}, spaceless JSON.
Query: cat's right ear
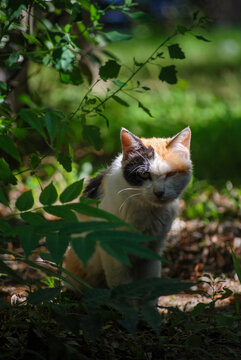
{"x":130,"y":143}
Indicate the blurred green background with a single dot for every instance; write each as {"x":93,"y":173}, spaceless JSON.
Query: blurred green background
{"x":206,"y":98}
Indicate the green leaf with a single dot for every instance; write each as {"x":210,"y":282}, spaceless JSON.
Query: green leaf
{"x":147,"y":111}
{"x":114,"y":250}
{"x":152,"y":316}
{"x":12,"y":61}
{"x":61,"y":211}
{"x":69,"y":227}
{"x":5,"y":173}
{"x":31,"y":39}
{"x":200,"y":37}
{"x":176,"y":52}
{"x":140,"y":16}
{"x":3,"y":198}
{"x":94,"y":212}
{"x":42,"y":295}
{"x":52,"y":120}
{"x":7,"y":144}
{"x":25,"y":201}
{"x":65,"y":161}
{"x":4,"y":226}
{"x":117,"y":36}
{"x":168,"y":74}
{"x":120,"y":101}
{"x":63,"y":59}
{"x":33,"y":218}
{"x":131,"y":317}
{"x":33,"y":120}
{"x":195,"y":15}
{"x":94,"y":298}
{"x":84,"y":247}
{"x":182,"y":29}
{"x":150,"y":289}
{"x":91,"y":133}
{"x":110,"y":70}
{"x":236,"y":264}
{"x":72,"y":191}
{"x":29,"y":242}
{"x":57,"y":245}
{"x":34,"y":161}
{"x":119,"y":83}
{"x":74,"y":77}
{"x":49,"y":195}
{"x":76,"y":13}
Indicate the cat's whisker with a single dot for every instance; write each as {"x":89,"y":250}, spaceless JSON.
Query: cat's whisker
{"x":127,"y":199}
{"x":125,"y":190}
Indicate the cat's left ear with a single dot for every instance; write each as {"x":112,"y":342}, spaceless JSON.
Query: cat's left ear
{"x":181,"y":142}
{"x":130,"y":143}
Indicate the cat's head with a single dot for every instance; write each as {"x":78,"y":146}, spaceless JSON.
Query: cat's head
{"x":159,"y":168}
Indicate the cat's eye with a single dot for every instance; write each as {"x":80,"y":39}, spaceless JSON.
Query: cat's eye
{"x":145,"y":175}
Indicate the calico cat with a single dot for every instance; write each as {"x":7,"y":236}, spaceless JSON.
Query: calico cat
{"x":142,"y":186}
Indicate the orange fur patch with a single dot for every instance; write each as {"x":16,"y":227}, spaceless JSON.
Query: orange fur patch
{"x":166,"y":154}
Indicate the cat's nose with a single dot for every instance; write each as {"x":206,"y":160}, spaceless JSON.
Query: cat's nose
{"x":158,"y":194}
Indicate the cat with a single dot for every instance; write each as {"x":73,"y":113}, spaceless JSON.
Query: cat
{"x":142,"y":186}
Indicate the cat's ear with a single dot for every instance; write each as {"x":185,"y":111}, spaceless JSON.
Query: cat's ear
{"x":181,"y":142}
{"x":130,"y":143}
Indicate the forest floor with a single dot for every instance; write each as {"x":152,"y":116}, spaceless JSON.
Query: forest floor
{"x":197,"y":250}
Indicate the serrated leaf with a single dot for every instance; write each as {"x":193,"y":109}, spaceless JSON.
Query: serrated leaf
{"x":84,"y":248}
{"x":110,"y":70}
{"x":7,"y":144}
{"x":33,"y":218}
{"x":25,"y":201}
{"x":147,"y":111}
{"x":65,"y":161}
{"x":120,"y":101}
{"x":91,"y":133}
{"x":72,"y":191}
{"x":236,"y":264}
{"x":200,"y":37}
{"x":3,"y":198}
{"x":175,"y":52}
{"x":29,"y":241}
{"x":168,"y":74}
{"x":117,"y":36}
{"x":6,"y":174}
{"x":42,"y":295}
{"x":57,"y":245}
{"x":61,"y":211}
{"x":74,"y":77}
{"x":49,"y":195}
